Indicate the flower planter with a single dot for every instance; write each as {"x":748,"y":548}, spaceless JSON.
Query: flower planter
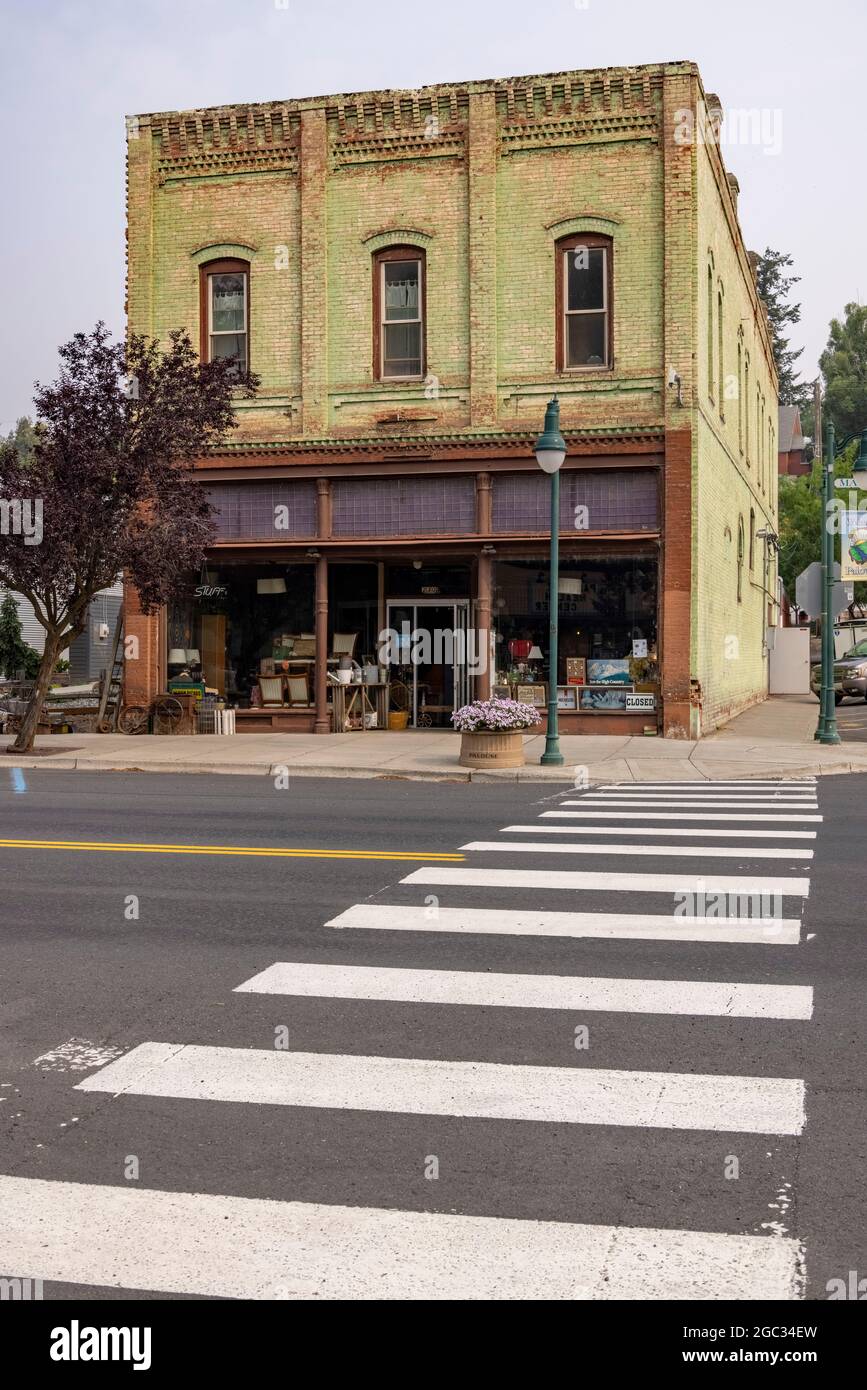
{"x":488,"y":748}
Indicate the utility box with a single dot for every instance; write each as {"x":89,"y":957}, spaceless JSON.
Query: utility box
{"x":789,"y":661}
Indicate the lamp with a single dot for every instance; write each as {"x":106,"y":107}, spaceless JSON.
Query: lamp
{"x":550,"y":447}
{"x":535,"y":654}
{"x":177,"y":657}
{"x":550,"y":452}
{"x":194,"y":656}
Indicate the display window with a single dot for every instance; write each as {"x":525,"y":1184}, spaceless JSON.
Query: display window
{"x":607,"y":624}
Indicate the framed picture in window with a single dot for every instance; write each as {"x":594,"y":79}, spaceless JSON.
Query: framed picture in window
{"x":501,"y":692}
{"x":604,"y":698}
{"x":567,"y":697}
{"x":536,"y":695}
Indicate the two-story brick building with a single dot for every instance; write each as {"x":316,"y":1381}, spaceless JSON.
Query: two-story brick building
{"x":412,"y":275}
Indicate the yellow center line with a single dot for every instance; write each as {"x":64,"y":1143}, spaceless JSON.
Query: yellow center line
{"x":267,"y":852}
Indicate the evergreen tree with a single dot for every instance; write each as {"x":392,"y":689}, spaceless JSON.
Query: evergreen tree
{"x":774,"y":287}
{"x":15,"y":655}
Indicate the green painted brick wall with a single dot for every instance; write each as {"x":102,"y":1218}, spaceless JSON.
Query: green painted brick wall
{"x":485,"y":176}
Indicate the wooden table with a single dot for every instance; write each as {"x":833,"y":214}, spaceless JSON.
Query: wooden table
{"x":354,"y":702}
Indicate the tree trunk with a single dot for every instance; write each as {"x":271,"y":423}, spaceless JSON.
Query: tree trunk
{"x":24,"y":741}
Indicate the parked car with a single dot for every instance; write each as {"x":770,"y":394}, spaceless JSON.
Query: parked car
{"x":850,"y":674}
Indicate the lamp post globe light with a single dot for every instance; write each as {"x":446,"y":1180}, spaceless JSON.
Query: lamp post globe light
{"x":826,"y":730}
{"x":550,"y":452}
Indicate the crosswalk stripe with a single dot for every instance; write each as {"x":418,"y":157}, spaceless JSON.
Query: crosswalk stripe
{"x":257,"y":1248}
{"x":630,"y":926}
{"x":654,"y":851}
{"x":481,"y":1090}
{"x":741,"y":797}
{"x":695,"y":805}
{"x":571,"y":879}
{"x":492,"y":990}
{"x":690,"y":784}
{"x":682,"y":816}
{"x":671,"y":830}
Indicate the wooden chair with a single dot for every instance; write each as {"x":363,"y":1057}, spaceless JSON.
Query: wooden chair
{"x":298,"y":690}
{"x":271,"y":688}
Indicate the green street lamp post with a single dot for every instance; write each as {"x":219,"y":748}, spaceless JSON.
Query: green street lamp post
{"x":826,"y":730}
{"x":550,"y":452}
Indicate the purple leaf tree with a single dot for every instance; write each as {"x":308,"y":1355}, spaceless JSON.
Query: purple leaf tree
{"x":109,"y":487}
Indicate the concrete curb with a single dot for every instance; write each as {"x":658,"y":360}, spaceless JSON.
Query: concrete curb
{"x":530,"y":773}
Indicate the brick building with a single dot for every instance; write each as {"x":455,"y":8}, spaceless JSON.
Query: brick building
{"x":412,"y":275}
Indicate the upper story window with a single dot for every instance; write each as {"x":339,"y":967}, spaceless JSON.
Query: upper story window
{"x":399,"y":313}
{"x":719,"y":353}
{"x":710,"y":332}
{"x":584,"y":300}
{"x":225,"y":293}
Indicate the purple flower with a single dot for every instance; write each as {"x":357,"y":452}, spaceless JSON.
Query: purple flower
{"x":495,"y":716}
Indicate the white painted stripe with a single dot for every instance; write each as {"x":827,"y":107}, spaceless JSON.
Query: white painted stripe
{"x":77,"y":1054}
{"x":654,"y":851}
{"x":694,"y":805}
{"x":630,"y":926}
{"x":253,"y":1248}
{"x":672,"y":830}
{"x":797,"y":887}
{"x":481,"y":1090}
{"x":491,"y":990}
{"x":741,"y":797}
{"x":683,"y":816}
{"x":710,"y":784}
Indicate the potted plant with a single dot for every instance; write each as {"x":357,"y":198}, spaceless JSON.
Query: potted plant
{"x":491,"y":732}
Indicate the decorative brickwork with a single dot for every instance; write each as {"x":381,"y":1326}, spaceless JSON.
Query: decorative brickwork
{"x":485,"y":177}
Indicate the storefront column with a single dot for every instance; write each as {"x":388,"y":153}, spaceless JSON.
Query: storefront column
{"x":482,"y":647}
{"x":322,"y":724}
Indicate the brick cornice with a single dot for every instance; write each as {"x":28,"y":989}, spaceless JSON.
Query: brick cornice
{"x":470,"y":446}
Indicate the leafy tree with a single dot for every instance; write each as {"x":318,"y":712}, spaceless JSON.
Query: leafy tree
{"x":774,"y":287}
{"x":800,"y":521}
{"x":800,"y":526}
{"x":23,"y":437}
{"x":13,"y":649}
{"x":844,"y":367}
{"x":111,"y":472}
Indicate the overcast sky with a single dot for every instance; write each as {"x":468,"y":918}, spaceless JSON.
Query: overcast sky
{"x":72,"y":69}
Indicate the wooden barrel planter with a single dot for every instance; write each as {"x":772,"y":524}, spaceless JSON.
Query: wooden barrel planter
{"x":489,"y":749}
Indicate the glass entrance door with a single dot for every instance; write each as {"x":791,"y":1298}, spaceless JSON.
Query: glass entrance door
{"x":428,"y":658}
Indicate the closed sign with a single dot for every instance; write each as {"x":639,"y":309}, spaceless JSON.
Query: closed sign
{"x":641,"y":702}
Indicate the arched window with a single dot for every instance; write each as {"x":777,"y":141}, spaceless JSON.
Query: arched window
{"x":719,"y":352}
{"x":224,"y":297}
{"x":584,"y":299}
{"x":399,"y":313}
{"x":752,"y":539}
{"x":747,"y":407}
{"x":740,"y":558}
{"x":710,"y":332}
{"x":740,"y":397}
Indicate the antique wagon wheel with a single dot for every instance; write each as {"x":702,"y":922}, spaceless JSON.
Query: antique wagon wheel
{"x":168,"y":714}
{"x":133,"y":720}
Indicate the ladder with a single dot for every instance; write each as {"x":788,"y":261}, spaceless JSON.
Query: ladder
{"x":111,"y":683}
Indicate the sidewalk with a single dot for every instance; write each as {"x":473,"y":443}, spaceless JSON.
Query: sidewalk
{"x":770,"y":740}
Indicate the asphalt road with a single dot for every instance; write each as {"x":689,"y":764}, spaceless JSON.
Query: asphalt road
{"x":852,"y":721}
{"x":77,"y":965}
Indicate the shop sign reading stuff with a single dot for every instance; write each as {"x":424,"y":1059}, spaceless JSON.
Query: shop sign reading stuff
{"x":211,"y":591}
